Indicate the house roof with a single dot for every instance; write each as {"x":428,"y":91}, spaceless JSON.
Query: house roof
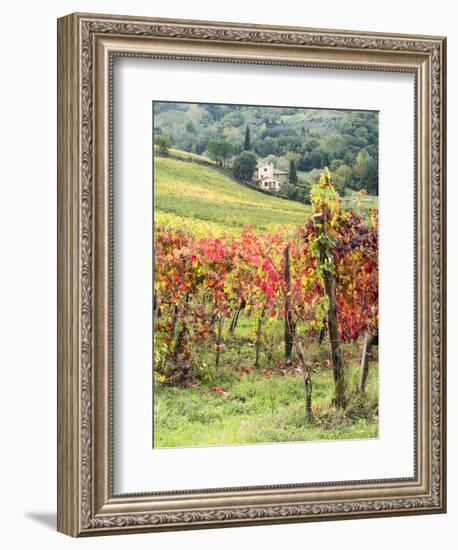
{"x":275,"y":170}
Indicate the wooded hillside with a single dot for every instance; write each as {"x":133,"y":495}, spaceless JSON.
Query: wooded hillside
{"x":345,"y":141}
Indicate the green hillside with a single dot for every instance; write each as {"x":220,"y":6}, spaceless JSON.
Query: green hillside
{"x":207,"y":202}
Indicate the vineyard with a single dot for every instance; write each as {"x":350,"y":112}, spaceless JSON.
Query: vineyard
{"x":263,"y":330}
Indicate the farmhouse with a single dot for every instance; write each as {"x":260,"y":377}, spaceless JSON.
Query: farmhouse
{"x":269,"y":178}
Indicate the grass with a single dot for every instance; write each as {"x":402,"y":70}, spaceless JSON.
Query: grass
{"x":256,"y":409}
{"x":368,"y":201}
{"x":206,"y":200}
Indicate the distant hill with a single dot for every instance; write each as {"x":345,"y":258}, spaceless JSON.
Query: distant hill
{"x":208,"y":202}
{"x":345,"y":141}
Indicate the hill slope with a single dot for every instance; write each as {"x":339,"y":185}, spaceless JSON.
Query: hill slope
{"x":208,"y":202}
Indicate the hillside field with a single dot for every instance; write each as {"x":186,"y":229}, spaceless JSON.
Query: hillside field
{"x":207,"y":201}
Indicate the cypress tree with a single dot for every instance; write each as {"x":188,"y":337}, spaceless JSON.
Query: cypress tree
{"x":292,"y":173}
{"x":247,"y":145}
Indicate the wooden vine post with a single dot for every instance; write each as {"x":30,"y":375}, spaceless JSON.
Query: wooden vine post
{"x":306,"y":375}
{"x":289,"y":321}
{"x":333,"y":327}
{"x":369,"y":341}
{"x":258,"y":337}
{"x":235,"y":318}
{"x":218,"y":340}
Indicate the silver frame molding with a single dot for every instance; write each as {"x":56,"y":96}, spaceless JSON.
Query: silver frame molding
{"x":87,"y":45}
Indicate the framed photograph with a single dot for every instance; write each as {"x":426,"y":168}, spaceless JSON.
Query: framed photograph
{"x":251,"y":291}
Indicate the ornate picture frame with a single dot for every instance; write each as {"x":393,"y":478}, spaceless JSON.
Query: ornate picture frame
{"x":87,"y":46}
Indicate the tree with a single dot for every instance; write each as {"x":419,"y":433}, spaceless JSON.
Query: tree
{"x":163,"y":142}
{"x":201,"y":143}
{"x":302,"y":195}
{"x":363,"y":166}
{"x":190,"y":127}
{"x":333,"y":145}
{"x":245,"y":166}
{"x":372,"y":178}
{"x":291,"y":191}
{"x":247,"y":144}
{"x":313,"y":159}
{"x":225,"y":150}
{"x":213,"y":149}
{"x":292,"y":173}
{"x":219,"y":150}
{"x":343,"y":176}
{"x":233,"y":118}
{"x":267,"y":146}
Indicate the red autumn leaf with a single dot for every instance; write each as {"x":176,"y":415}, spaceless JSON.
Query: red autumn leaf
{"x":219,"y":390}
{"x":246,"y":370}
